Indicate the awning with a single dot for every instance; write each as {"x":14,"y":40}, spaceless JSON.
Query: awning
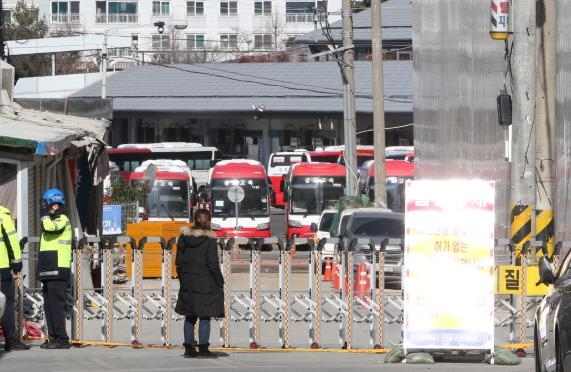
{"x":47,"y":133}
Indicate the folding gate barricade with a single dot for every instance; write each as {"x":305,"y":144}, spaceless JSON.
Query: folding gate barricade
{"x":284,"y":276}
{"x":315,"y":267}
{"x":364,"y":248}
{"x":166,"y":291}
{"x":29,"y":300}
{"x":136,"y":295}
{"x":156,"y":306}
{"x":35,"y":299}
{"x":271,"y":307}
{"x":235,"y":303}
{"x":226,"y":248}
{"x":78,"y":288}
{"x":310,"y":302}
{"x":335,"y":300}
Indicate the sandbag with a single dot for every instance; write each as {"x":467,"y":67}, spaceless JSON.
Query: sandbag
{"x":503,"y":356}
{"x":419,"y":358}
{"x":395,"y":355}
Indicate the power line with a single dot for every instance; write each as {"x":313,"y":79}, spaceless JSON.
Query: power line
{"x":325,"y":91}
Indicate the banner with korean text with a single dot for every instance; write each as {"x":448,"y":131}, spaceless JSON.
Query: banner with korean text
{"x":449,"y":265}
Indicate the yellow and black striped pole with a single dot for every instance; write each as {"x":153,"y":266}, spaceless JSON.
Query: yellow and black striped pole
{"x":545,"y":230}
{"x":520,"y":229}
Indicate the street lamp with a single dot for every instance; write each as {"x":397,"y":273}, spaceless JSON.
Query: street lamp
{"x":160,"y":25}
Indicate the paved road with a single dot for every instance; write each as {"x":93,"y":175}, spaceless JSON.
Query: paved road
{"x":98,"y":358}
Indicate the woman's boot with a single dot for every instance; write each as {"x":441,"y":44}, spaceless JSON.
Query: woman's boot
{"x":190,"y":351}
{"x":204,"y":352}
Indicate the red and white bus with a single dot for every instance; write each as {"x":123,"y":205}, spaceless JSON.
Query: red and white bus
{"x":397,"y":172}
{"x":399,"y":152}
{"x":172,"y":190}
{"x":246,"y":182}
{"x":198,"y":158}
{"x":336,"y":154}
{"x":325,"y":155}
{"x":310,"y":188}
{"x":278,"y":166}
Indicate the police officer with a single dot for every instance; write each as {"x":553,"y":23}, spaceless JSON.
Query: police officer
{"x":10,"y":268}
{"x":54,"y":267}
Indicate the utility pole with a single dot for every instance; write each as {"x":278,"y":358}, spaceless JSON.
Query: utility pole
{"x":2,"y":56}
{"x":545,"y":121}
{"x":378,"y":105}
{"x":349,"y":98}
{"x":104,"y":66}
{"x":523,"y":177}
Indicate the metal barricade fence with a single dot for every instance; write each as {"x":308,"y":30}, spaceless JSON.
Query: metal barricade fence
{"x":319,"y":307}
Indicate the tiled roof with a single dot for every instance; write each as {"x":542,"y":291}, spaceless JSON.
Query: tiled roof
{"x":280,"y":87}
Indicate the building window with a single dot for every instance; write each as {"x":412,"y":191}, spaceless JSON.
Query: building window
{"x":65,"y":12}
{"x":194,"y":8}
{"x":229,"y":8}
{"x":263,"y":8}
{"x":161,"y":42}
{"x":263,"y":41}
{"x":228,"y":41}
{"x":303,"y":12}
{"x":194,"y":41}
{"x":161,"y":8}
{"x":145,"y":133}
{"x":7,"y":15}
{"x":116,"y":12}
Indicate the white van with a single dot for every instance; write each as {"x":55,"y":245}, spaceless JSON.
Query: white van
{"x":324,"y":228}
{"x":321,"y":228}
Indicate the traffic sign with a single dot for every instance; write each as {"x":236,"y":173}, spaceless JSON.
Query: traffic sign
{"x":235,"y":194}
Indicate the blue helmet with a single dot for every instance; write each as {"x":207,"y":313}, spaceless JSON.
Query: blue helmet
{"x":54,"y":196}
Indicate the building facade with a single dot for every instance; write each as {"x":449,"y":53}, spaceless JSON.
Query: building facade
{"x":188,"y":31}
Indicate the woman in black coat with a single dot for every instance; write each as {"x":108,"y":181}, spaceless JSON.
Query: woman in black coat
{"x":201,"y":294}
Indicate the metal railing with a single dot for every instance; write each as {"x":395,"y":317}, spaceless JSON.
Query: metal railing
{"x":65,"y":18}
{"x":116,"y":18}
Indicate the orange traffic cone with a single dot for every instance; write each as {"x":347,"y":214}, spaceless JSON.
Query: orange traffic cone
{"x":328,"y":275}
{"x":362,"y":284}
{"x":336,"y":276}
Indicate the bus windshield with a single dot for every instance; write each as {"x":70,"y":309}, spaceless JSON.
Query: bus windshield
{"x":254,"y":204}
{"x":168,"y":199}
{"x":310,"y":195}
{"x":395,"y":192}
{"x":324,"y":158}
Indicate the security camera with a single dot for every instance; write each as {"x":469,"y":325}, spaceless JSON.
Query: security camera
{"x":160,"y":26}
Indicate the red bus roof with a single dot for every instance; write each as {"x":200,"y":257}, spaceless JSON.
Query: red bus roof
{"x":238,"y":168}
{"x":395,"y":168}
{"x":318,"y":169}
{"x":128,"y":151}
{"x":317,"y":155}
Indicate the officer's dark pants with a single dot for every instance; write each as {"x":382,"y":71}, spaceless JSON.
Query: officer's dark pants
{"x":54,"y":309}
{"x":9,"y":318}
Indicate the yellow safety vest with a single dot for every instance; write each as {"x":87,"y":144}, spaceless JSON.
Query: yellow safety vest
{"x":54,"y":258}
{"x":10,"y":253}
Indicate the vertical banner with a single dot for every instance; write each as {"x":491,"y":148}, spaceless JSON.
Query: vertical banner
{"x":449,"y":265}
